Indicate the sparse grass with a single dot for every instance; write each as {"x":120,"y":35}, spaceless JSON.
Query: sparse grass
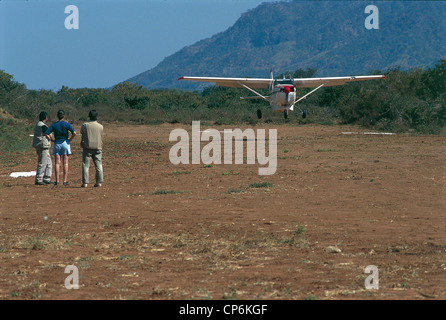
{"x":300,"y":229}
{"x":204,"y":294}
{"x":136,"y":194}
{"x":231,"y":191}
{"x":295,"y":238}
{"x":227,"y":173}
{"x":125,"y":257}
{"x":179,"y":244}
{"x":261,"y":185}
{"x":137,"y":239}
{"x":231,"y":295}
{"x":163,"y":191}
{"x":177,"y":173}
{"x":84,"y":262}
{"x":37,"y":242}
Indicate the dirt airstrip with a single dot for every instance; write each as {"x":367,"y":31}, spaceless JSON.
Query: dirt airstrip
{"x":340,"y":200}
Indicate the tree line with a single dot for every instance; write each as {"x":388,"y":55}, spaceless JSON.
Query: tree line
{"x":407,"y":101}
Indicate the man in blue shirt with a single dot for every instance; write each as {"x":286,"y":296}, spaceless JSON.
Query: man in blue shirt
{"x":62,"y":147}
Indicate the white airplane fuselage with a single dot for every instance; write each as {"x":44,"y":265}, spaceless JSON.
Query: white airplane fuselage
{"x":282,"y":98}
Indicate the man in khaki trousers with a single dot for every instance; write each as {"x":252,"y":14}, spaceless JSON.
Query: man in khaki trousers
{"x":42,"y":145}
{"x":92,"y":149}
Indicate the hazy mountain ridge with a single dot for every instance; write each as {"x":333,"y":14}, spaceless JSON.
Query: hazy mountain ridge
{"x":328,"y":36}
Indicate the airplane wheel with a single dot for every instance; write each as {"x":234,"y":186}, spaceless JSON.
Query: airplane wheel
{"x":285,"y":114}
{"x":304,"y":114}
{"x":259,"y":113}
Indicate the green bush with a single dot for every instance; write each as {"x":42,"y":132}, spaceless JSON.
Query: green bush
{"x":413,"y":100}
{"x":14,"y":136}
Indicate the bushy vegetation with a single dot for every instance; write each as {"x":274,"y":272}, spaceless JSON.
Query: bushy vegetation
{"x":412,"y":100}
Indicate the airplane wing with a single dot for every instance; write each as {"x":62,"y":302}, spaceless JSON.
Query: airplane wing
{"x":233,"y":82}
{"x":331,"y":81}
{"x":265,"y":82}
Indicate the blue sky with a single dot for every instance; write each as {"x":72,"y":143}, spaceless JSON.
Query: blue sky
{"x":116,"y":39}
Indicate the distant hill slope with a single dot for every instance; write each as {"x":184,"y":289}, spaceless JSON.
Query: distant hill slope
{"x":329,"y":36}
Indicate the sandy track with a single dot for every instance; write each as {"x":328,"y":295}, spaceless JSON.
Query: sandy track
{"x":337,"y":203}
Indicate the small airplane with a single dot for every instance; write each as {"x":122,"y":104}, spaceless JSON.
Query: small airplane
{"x":282,"y":97}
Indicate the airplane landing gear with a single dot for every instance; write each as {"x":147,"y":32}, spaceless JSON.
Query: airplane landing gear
{"x":304,"y":114}
{"x":259,"y":113}
{"x":285,"y":113}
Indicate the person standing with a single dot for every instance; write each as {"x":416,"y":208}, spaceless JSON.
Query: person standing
{"x":42,"y":145}
{"x":91,"y":143}
{"x":62,"y":147}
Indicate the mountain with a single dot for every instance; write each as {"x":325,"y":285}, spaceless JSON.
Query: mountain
{"x":329,"y":36}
